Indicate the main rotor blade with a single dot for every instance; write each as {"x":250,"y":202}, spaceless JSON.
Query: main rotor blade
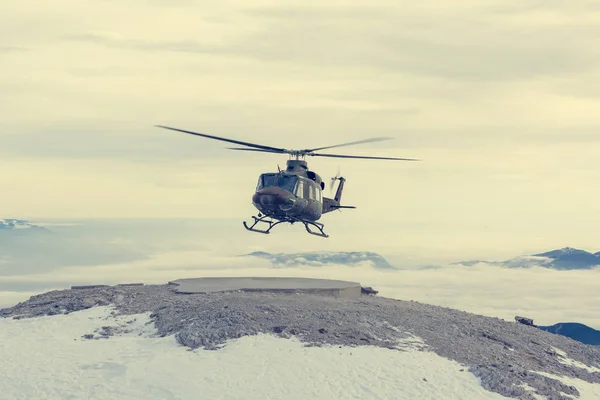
{"x":377,"y":139}
{"x":258,"y":146}
{"x":365,"y":157}
{"x":260,"y":150}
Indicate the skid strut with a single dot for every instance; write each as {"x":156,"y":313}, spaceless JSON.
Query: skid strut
{"x":318,"y":226}
{"x":264,"y":219}
{"x":272,"y":223}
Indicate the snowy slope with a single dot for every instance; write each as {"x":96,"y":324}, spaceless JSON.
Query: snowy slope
{"x":47,"y":358}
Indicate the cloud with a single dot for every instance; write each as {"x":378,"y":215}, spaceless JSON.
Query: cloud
{"x":478,"y":44}
{"x":12,"y":49}
{"x":451,"y":47}
{"x":141,"y":143}
{"x":157,"y":251}
{"x":120,"y":41}
{"x":426,"y":74}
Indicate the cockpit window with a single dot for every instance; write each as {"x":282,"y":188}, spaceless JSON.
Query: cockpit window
{"x":287,"y":182}
{"x":267,"y":180}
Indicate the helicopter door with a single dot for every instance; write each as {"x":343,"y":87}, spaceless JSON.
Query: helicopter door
{"x":312,"y":195}
{"x":300,"y":189}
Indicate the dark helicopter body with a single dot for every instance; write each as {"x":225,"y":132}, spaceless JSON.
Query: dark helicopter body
{"x":282,"y":195}
{"x":295,"y":194}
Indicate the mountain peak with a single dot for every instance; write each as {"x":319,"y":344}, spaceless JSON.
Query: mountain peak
{"x":565,"y":251}
{"x":570,"y":258}
{"x":566,"y":258}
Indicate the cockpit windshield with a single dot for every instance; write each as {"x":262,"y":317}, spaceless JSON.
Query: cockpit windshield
{"x":286,"y":182}
{"x":266,"y":180}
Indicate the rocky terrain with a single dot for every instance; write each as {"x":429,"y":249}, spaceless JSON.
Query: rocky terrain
{"x":504,"y":355}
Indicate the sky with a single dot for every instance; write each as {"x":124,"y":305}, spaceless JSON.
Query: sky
{"x":500,"y":100}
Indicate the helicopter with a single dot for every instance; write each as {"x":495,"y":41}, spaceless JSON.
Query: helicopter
{"x":296,"y":193}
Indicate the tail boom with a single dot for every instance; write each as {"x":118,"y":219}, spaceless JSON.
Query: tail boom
{"x":334,"y":204}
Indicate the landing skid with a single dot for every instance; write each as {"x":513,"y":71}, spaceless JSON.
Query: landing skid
{"x":272,"y":223}
{"x":318,"y":226}
{"x":266,"y":220}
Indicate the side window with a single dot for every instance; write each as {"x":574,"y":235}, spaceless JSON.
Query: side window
{"x":319,"y":195}
{"x":300,"y":189}
{"x":311,"y":192}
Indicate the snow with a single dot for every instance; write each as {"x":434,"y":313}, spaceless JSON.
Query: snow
{"x":587,"y":391}
{"x":46,"y":358}
{"x":532,"y":391}
{"x":568,"y":250}
{"x":564,"y":359}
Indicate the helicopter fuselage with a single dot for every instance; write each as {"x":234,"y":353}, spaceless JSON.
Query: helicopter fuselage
{"x":295,"y":193}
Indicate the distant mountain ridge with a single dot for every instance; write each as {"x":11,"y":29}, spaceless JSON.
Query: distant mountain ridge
{"x":567,"y":258}
{"x":317,"y":259}
{"x":576,"y":331}
{"x":17,"y":224}
{"x":570,"y":258}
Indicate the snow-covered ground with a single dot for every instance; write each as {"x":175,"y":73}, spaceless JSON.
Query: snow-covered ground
{"x":588,"y":391}
{"x":46,"y":358}
{"x":564,"y":359}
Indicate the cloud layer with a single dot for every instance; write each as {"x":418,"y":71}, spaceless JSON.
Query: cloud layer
{"x":111,"y":252}
{"x":546,"y":296}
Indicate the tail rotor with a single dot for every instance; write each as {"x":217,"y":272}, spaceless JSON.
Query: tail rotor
{"x":333,"y":179}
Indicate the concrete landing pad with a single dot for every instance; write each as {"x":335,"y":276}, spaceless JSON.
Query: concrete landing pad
{"x":325,"y":287}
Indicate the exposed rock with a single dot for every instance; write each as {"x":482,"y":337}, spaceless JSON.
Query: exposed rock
{"x":524,"y":321}
{"x":368,"y":290}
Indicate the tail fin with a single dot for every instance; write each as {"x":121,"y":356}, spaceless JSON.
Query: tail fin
{"x":334,"y":204}
{"x":340,"y":189}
